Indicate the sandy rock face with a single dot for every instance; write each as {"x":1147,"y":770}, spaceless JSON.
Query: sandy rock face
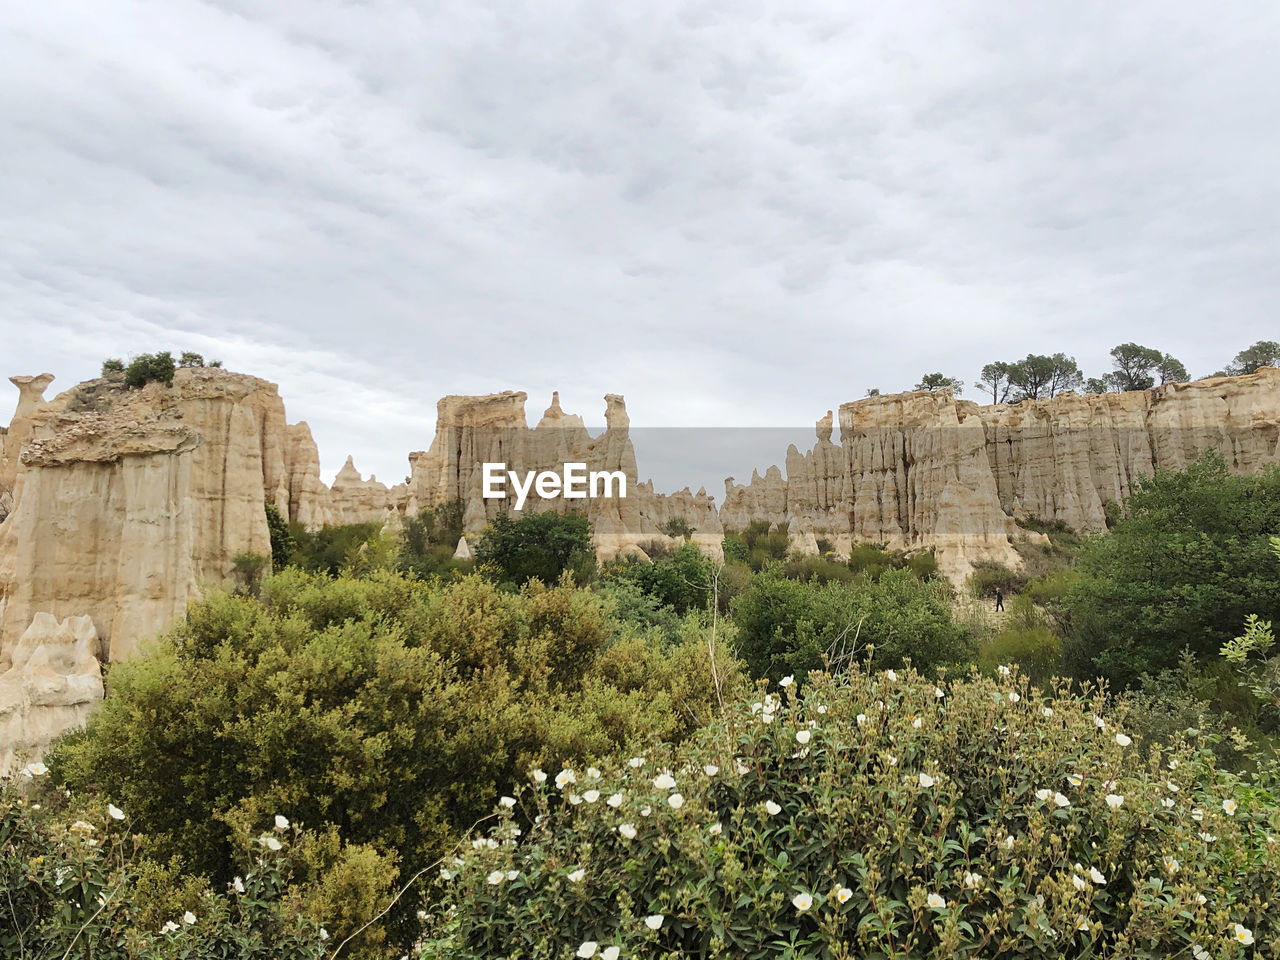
{"x":54,"y":682}
{"x":126,"y":503}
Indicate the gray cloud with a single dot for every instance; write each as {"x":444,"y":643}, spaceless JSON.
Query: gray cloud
{"x":731,"y":212}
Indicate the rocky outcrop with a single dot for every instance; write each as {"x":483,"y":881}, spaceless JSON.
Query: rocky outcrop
{"x":128,"y":501}
{"x":53,"y":684}
{"x":923,"y":470}
{"x":30,"y":399}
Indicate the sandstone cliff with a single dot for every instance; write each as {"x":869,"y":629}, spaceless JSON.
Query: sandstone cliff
{"x":127,"y":501}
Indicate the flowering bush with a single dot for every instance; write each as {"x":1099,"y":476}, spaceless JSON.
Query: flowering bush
{"x":881,"y":815}
{"x":76,"y":888}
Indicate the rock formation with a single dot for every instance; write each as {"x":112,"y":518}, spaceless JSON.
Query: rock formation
{"x":54,"y":682}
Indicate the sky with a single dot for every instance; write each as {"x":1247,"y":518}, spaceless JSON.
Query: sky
{"x":732,"y":213}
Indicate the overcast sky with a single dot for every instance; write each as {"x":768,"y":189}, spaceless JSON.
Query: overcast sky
{"x":730,"y":214}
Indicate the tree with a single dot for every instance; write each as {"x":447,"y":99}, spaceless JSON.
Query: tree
{"x":1190,"y":561}
{"x":538,"y":545}
{"x":1171,"y":370}
{"x":1264,"y":353}
{"x":995,"y":378}
{"x":1098,"y":385}
{"x":873,"y":391}
{"x":283,"y":544}
{"x":148,"y":367}
{"x":112,"y":366}
{"x":1134,"y":364}
{"x":1031,"y":377}
{"x":1066,"y":374}
{"x":937,"y":381}
{"x":189,"y":359}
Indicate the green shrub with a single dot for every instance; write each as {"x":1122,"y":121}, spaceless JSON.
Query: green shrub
{"x":988,"y":577}
{"x":148,"y":367}
{"x":283,"y":544}
{"x":390,"y":709}
{"x":681,"y":581}
{"x":330,"y":549}
{"x":1035,"y":649}
{"x":75,"y":885}
{"x":112,"y":367}
{"x":787,"y":627}
{"x":538,"y":545}
{"x":189,"y":359}
{"x":1182,"y":570}
{"x":879,"y":816}
{"x":429,"y":540}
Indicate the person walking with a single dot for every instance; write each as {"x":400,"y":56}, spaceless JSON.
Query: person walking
{"x":999,"y":599}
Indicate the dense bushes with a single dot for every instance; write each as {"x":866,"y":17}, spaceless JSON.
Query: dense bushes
{"x":682,"y":581}
{"x":1182,"y":570}
{"x":788,"y":627}
{"x":380,"y":715}
{"x":537,"y":545}
{"x":74,"y":885}
{"x":881,"y":816}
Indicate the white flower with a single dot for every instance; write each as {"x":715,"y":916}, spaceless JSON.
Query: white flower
{"x":1047,"y":711}
{"x":654,"y":921}
{"x":1123,"y":739}
{"x":766,"y":718}
{"x":1061,"y":800}
{"x":495,"y":878}
{"x":593,"y":773}
{"x":1043,"y":794}
{"x":188,"y":918}
{"x":715,"y":829}
{"x":772,"y":807}
{"x":81,"y":826}
{"x":628,"y":830}
{"x":635,"y":763}
{"x":893,"y":760}
{"x":646,"y":810}
{"x":1199,"y":952}
{"x":114,"y":812}
{"x":1173,"y":764}
{"x":446,"y":873}
{"x":861,"y":718}
{"x":282,"y":823}
{"x":36,"y":769}
{"x":938,"y":692}
{"x":610,"y":953}
{"x":324,"y":934}
{"x":1099,"y":722}
{"x":926,"y":780}
{"x":539,"y":776}
{"x":1244,"y":935}
{"x":937,"y":902}
{"x":786,"y":681}
{"x":1171,"y":864}
{"x":273,"y":844}
{"x":664,"y":781}
{"x":1075,"y":779}
{"x":802,"y":902}
{"x":238,"y":885}
{"x":972,"y":880}
{"x":1115,"y":800}
{"x":512,"y":874}
{"x":1014,"y":696}
{"x":1197,"y":814}
{"x":564,"y":778}
{"x":587,"y":949}
{"x":422,"y":914}
{"x":1003,"y":670}
{"x":591,"y":796}
{"x":802,"y":736}
{"x":1079,"y":882}
{"x":675,"y":801}
{"x":1008,"y":841}
{"x":577,"y":875}
{"x":1200,"y":899}
{"x":710,"y":769}
{"x":740,"y":768}
{"x":1171,"y":786}
{"x":169,"y":927}
{"x":1096,"y":876}
{"x":1168,"y":802}
{"x":615,"y":800}
{"x":575,"y":799}
{"x":1208,"y":837}
{"x":1229,"y":807}
{"x":507,"y":802}
{"x":890,"y":675}
{"x":1082,"y":924}
{"x":822,"y":708}
{"x":916,"y":723}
